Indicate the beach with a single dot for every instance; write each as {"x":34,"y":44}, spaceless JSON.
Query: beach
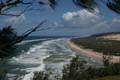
{"x":90,"y":53}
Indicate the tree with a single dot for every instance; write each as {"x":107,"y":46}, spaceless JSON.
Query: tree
{"x":40,"y":76}
{"x":87,"y":4}
{"x":74,"y":70}
{"x":8,"y":37}
{"x":7,"y":5}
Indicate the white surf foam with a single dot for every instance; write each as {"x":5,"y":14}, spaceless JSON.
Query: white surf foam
{"x":31,"y":71}
{"x":39,"y":52}
{"x":44,"y":48}
{"x":28,"y":41}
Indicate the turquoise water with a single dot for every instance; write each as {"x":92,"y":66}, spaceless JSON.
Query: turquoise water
{"x":38,"y":55}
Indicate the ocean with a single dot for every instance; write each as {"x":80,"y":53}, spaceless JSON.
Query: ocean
{"x":39,"y":54}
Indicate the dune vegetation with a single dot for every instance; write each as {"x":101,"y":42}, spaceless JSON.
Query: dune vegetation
{"x":109,"y":78}
{"x":105,"y":46}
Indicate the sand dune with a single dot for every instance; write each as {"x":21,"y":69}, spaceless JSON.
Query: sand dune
{"x":91,"y":53}
{"x":111,"y":37}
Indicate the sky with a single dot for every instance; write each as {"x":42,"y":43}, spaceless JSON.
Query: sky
{"x":66,"y":20}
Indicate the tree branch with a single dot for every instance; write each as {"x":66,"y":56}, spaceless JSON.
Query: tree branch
{"x":28,"y":32}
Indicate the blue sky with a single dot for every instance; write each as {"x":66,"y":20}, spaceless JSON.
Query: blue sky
{"x":67,"y":19}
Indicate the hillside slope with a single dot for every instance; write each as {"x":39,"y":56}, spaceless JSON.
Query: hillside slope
{"x":109,"y":36}
{"x":108,"y":43}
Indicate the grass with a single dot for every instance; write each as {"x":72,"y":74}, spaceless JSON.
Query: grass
{"x":110,"y":78}
{"x":110,"y":47}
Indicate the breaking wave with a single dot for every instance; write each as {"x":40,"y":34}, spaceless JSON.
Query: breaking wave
{"x":50,"y":54}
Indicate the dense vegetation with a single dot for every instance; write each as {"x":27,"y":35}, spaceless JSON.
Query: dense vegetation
{"x":105,"y":34}
{"x":9,"y":38}
{"x":109,"y":78}
{"x":90,"y":4}
{"x":108,"y":47}
{"x":114,"y":5}
{"x":78,"y":70}
{"x":6,"y":5}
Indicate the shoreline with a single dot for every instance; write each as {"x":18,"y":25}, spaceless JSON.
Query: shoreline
{"x":90,"y":53}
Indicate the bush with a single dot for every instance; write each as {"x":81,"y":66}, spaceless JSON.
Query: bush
{"x":107,"y":47}
{"x":73,"y":70}
{"x":78,"y":70}
{"x":40,"y":76}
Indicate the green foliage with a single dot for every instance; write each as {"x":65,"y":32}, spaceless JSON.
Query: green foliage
{"x":114,"y":5}
{"x":73,"y":70}
{"x":109,"y":78}
{"x":78,"y":70}
{"x":106,"y":60}
{"x":40,"y":76}
{"x":7,"y":5}
{"x":112,"y":69}
{"x":3,"y":74}
{"x":7,"y":35}
{"x":7,"y":39}
{"x":111,"y":4}
{"x":108,"y":47}
{"x":87,"y":4}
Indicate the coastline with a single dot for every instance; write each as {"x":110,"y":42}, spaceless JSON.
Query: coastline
{"x":90,"y":53}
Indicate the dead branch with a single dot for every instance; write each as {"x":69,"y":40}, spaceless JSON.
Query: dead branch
{"x":5,"y":6}
{"x":28,"y":32}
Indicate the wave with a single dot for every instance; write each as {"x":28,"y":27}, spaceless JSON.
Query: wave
{"x":28,"y":41}
{"x":31,"y":71}
{"x":50,"y":54}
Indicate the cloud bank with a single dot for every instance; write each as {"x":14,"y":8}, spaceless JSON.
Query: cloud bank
{"x":90,"y":22}
{"x":16,"y":20}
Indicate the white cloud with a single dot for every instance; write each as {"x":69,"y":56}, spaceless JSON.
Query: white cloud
{"x":69,"y":15}
{"x":83,"y":14}
{"x":16,"y":20}
{"x":116,"y":20}
{"x":92,"y":22}
{"x":83,"y":18}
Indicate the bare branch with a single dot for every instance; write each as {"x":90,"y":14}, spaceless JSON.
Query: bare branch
{"x":5,"y":6}
{"x":25,"y":2}
{"x":28,"y":32}
{"x":84,"y":4}
{"x":9,"y":4}
{"x":5,"y":14}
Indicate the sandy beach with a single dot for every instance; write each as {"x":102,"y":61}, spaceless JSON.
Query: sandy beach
{"x":90,"y":53}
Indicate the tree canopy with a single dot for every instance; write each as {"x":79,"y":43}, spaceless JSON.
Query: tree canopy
{"x":7,"y":5}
